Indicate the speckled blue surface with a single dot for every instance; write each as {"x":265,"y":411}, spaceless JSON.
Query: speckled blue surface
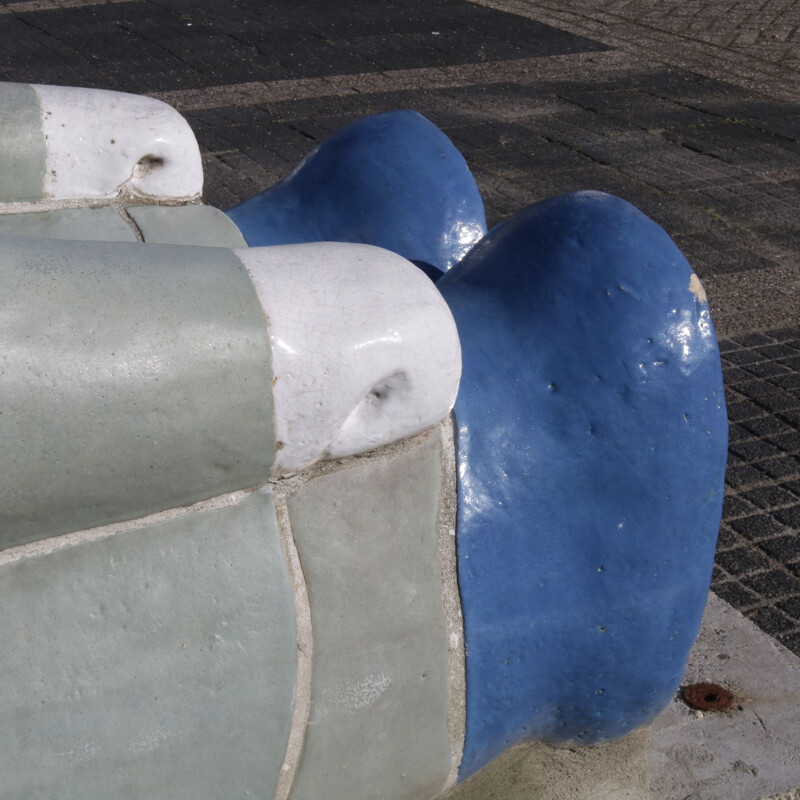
{"x":591,"y":453}
{"x":393,"y":180}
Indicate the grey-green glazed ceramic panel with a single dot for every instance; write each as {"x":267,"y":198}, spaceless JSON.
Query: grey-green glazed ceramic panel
{"x":85,"y":224}
{"x":23,"y":153}
{"x":135,"y":378}
{"x":203,"y":225}
{"x":158,"y":663}
{"x":366,"y":537}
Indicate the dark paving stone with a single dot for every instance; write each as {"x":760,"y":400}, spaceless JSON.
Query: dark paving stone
{"x":766,"y":369}
{"x":791,"y":607}
{"x":742,"y":561}
{"x":741,"y":357}
{"x":786,"y":334}
{"x":766,"y":426}
{"x":758,"y":526}
{"x":177,"y":45}
{"x":789,"y":516}
{"x":771,"y":620}
{"x":777,"y":468}
{"x":744,"y":410}
{"x":753,"y":339}
{"x":735,"y":506}
{"x":769,"y":396}
{"x":734,"y":375}
{"x":719,"y":575}
{"x":742,"y":476}
{"x":773,"y":351}
{"x":775,"y":584}
{"x":738,"y":433}
{"x":769,"y":497}
{"x":790,"y":382}
{"x":785,"y":549}
{"x":755,"y":450}
{"x":791,"y":641}
{"x":790,"y":442}
{"x":734,"y":593}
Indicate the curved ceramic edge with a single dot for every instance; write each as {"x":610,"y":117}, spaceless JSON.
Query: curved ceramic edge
{"x":365,"y":349}
{"x":592,"y":440}
{"x":100,"y":143}
{"x":393,"y":180}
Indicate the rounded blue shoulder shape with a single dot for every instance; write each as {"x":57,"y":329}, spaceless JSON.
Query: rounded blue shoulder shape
{"x":393,"y":180}
{"x":591,"y":452}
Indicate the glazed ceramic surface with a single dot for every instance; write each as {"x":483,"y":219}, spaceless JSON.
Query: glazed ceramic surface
{"x":364,"y":346}
{"x":64,"y":143}
{"x":111,"y":410}
{"x":393,"y":180}
{"x":229,"y":514}
{"x":179,"y":622}
{"x":591,"y":456}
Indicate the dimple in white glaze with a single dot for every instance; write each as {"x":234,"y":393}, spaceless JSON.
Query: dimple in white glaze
{"x":365,"y":350}
{"x":100,"y":143}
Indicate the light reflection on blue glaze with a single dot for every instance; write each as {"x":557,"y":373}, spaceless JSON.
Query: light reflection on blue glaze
{"x":393,"y":180}
{"x":591,"y":452}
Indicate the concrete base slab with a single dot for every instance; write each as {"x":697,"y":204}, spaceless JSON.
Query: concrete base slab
{"x":537,"y":771}
{"x":748,"y":753}
{"x":751,"y":752}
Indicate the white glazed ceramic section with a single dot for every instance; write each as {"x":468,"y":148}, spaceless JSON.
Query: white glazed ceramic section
{"x":365,"y":350}
{"x":100,"y":143}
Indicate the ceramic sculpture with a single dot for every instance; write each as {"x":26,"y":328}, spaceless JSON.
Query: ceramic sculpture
{"x":247,"y":549}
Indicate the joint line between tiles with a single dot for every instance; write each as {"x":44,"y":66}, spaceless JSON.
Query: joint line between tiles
{"x":451,"y":601}
{"x":305,"y":650}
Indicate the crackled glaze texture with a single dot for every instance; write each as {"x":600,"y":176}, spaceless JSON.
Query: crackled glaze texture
{"x":591,"y":454}
{"x":365,"y":351}
{"x":393,"y":180}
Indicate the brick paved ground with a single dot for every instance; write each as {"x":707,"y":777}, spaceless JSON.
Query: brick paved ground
{"x":687,"y":109}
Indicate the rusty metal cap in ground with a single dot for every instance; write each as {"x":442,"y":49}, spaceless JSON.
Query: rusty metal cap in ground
{"x":707,"y":697}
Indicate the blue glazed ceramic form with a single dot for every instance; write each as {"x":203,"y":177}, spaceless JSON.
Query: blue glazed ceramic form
{"x":393,"y":180}
{"x":591,"y":452}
